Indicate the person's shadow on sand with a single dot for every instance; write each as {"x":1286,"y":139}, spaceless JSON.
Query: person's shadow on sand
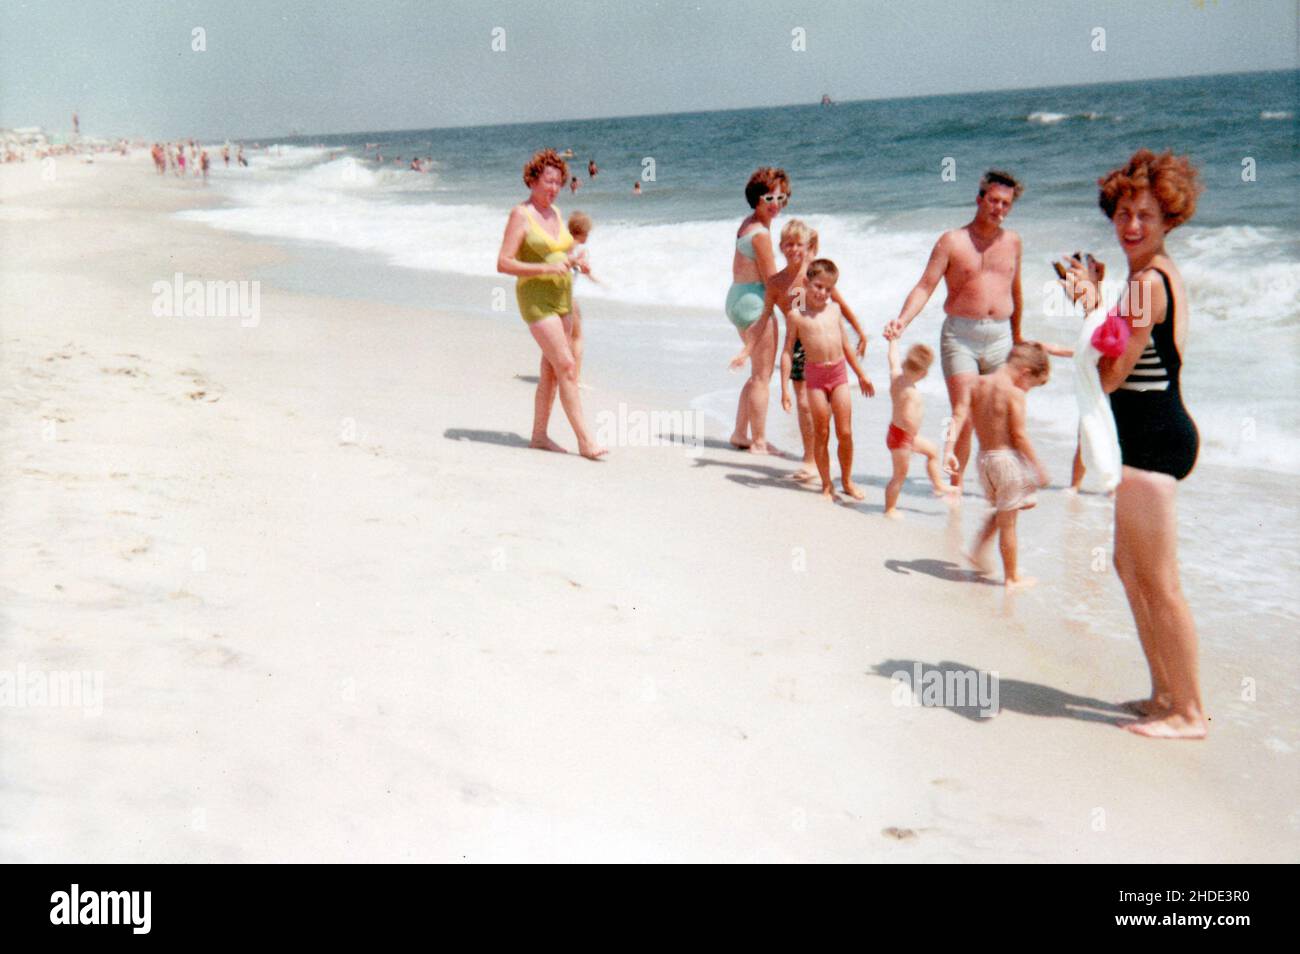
{"x":940,"y":570}
{"x":504,"y":438}
{"x":1015,"y":695}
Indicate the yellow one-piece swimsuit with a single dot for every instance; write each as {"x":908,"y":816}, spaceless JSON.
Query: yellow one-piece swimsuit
{"x":543,"y":295}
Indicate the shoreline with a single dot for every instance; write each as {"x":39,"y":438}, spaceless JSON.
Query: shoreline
{"x":438,"y":660}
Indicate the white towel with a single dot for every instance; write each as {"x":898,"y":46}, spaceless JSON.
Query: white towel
{"x":1097,"y":435}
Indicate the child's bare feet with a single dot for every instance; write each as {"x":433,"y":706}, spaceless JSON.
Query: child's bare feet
{"x":1168,"y":726}
{"x":739,"y":441}
{"x":979,"y":559}
{"x":1019,"y":583}
{"x":893,"y":514}
{"x":853,"y":490}
{"x":828,"y":491}
{"x":763,"y":447}
{"x":806,"y":472}
{"x":592,"y":451}
{"x":546,"y":444}
{"x":946,"y":490}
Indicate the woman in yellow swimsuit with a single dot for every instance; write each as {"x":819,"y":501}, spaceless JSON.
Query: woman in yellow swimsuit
{"x":536,"y":251}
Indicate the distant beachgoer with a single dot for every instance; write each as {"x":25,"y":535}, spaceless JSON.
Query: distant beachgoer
{"x":819,"y":324}
{"x":1145,"y":199}
{"x":240,"y":157}
{"x":1009,"y":469}
{"x":225,"y":155}
{"x":580,"y":229}
{"x":574,"y":184}
{"x":415,"y":164}
{"x":203,"y":163}
{"x":591,"y":168}
{"x":636,"y":187}
{"x":180,"y":161}
{"x":752,"y":265}
{"x":904,"y":436}
{"x":980,"y":262}
{"x":799,"y":246}
{"x":535,"y":249}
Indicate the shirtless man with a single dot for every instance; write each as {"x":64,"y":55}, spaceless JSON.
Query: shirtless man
{"x":980,"y":263}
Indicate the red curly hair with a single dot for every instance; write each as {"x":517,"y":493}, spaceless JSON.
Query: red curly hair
{"x":1173,"y":181}
{"x":540,"y":161}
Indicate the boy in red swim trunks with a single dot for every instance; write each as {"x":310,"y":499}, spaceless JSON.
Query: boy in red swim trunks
{"x":904,"y":438}
{"x":818,"y":322}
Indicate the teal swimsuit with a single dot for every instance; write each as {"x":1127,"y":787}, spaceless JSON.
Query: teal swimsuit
{"x":745,"y":299}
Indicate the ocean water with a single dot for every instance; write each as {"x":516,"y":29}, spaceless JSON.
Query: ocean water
{"x":867,"y":176}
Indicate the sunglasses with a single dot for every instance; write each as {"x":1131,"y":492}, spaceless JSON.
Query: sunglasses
{"x":780,"y":197}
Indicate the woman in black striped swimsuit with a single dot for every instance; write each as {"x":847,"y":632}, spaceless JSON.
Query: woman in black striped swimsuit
{"x":1158,"y":441}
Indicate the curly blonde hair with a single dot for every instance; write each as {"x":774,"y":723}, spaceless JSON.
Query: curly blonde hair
{"x":1173,"y":181}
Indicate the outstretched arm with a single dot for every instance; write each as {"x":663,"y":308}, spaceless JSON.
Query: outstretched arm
{"x":895,"y":365}
{"x":921,"y":292}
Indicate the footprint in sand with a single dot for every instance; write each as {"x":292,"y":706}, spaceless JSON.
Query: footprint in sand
{"x":131,"y":547}
{"x":898,"y":834}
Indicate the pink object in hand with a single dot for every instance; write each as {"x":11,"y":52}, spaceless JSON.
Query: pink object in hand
{"x":1111,"y":336}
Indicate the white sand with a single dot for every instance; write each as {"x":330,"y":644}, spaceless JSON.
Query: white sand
{"x":330,"y":630}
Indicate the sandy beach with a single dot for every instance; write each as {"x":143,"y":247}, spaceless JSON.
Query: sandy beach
{"x":342,"y":613}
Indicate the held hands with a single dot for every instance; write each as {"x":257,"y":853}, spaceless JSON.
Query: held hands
{"x":950,"y":463}
{"x":894,"y":330}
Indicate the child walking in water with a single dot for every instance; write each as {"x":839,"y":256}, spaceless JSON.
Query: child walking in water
{"x":995,"y":405}
{"x":904,"y":438}
{"x":799,"y":247}
{"x":580,"y":229}
{"x":818,"y":323}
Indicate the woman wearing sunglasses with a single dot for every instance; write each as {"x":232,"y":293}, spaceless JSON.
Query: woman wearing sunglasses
{"x":752,"y":265}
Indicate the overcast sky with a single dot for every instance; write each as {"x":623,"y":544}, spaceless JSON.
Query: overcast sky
{"x":273,"y":66}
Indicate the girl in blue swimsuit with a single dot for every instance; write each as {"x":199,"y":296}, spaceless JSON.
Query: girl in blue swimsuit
{"x":1145,"y":199}
{"x":767,"y":192}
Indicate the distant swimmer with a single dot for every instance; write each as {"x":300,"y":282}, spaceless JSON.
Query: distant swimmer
{"x":240,"y":157}
{"x":980,"y":263}
{"x":591,"y":168}
{"x":415,"y":165}
{"x":636,"y":187}
{"x":225,"y":155}
{"x":204,"y":162}
{"x":574,"y":183}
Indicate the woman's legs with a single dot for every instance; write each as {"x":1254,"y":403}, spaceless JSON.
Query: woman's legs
{"x":760,"y":377}
{"x":1146,"y":521}
{"x":558,"y":372}
{"x":575,"y":341}
{"x":1126,"y":567}
{"x":740,"y":436}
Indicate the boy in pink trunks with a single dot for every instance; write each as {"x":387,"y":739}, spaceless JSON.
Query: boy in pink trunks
{"x":819,"y":324}
{"x":904,"y":438}
{"x":995,"y":404}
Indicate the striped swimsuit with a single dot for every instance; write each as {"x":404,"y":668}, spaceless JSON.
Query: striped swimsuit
{"x":1155,"y":431}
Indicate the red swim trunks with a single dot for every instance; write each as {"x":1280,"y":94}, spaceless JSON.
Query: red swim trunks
{"x":896,"y":437}
{"x":825,"y":377}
